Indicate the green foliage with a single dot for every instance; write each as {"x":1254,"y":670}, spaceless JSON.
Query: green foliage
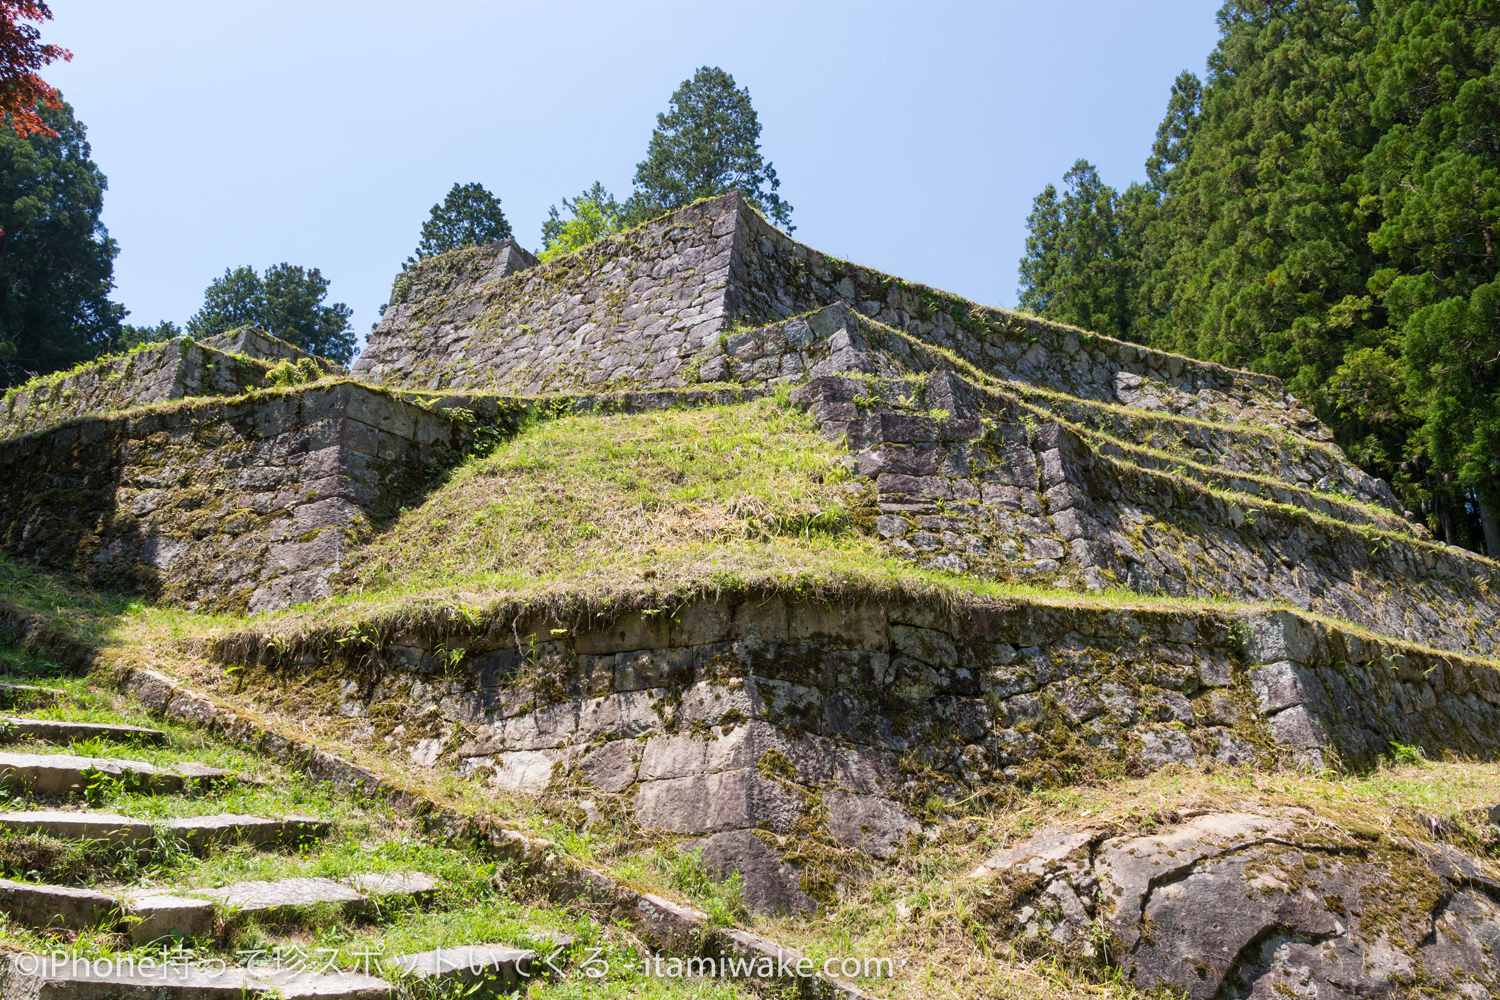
{"x":706,"y":144}
{"x":131,"y":336}
{"x":1322,"y":208}
{"x":1080,"y":266}
{"x":1407,"y":755}
{"x":683,"y":868}
{"x":469,"y":215}
{"x":287,"y":302}
{"x":56,"y":257}
{"x":595,"y":214}
{"x":287,"y":373}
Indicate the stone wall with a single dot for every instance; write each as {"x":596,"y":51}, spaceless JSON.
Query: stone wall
{"x":256,"y":343}
{"x":648,"y":308}
{"x":969,"y":480}
{"x":240,"y":505}
{"x":835,"y":723}
{"x":623,"y":312}
{"x":153,"y":374}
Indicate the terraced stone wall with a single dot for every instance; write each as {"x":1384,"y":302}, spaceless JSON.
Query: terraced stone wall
{"x":256,"y":343}
{"x":774,"y":277}
{"x":835,"y":723}
{"x":171,"y":370}
{"x":626,"y":311}
{"x":674,"y":302}
{"x":241,"y":505}
{"x":971,"y":480}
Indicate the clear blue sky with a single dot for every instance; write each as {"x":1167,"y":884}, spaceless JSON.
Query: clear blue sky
{"x":908,"y":136}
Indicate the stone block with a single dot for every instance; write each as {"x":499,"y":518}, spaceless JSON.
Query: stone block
{"x":108,"y":828}
{"x":771,"y":886}
{"x":730,"y":800}
{"x":478,"y":970}
{"x":60,"y":731}
{"x":1284,"y":684}
{"x":1299,"y":729}
{"x":632,"y":631}
{"x":1280,"y":635}
{"x":151,"y":916}
{"x":51,"y":906}
{"x":869,"y":823}
{"x":702,"y":621}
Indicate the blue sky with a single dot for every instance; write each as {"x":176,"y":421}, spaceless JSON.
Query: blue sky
{"x":909,"y":136}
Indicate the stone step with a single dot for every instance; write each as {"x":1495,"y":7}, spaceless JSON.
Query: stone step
{"x":63,"y":774}
{"x":260,"y":897}
{"x":55,"y":906}
{"x":13,"y":696}
{"x":153,"y":915}
{"x":198,"y":832}
{"x":202,"y":832}
{"x":36,"y":977}
{"x":413,"y":884}
{"x":482,"y":969}
{"x":59,"y":731}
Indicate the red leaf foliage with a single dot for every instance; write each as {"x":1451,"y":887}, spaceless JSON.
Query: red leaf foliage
{"x":21,"y":55}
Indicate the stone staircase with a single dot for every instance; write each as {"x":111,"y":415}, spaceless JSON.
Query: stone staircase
{"x":153,"y":917}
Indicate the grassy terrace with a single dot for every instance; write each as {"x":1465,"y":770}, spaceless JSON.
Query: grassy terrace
{"x":595,"y":514}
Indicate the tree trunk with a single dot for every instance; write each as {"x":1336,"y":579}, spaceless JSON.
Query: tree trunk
{"x":1489,"y":516}
{"x":1442,"y":506}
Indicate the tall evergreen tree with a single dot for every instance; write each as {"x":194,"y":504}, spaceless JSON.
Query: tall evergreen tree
{"x":1079,"y":265}
{"x":469,"y":215}
{"x":286,"y":302}
{"x":706,"y":144}
{"x":56,"y":257}
{"x":1324,"y":208}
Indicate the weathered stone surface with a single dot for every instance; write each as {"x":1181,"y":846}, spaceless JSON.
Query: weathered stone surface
{"x":611,"y":768}
{"x":729,"y":800}
{"x":1245,"y":905}
{"x":201,"y":832}
{"x":151,"y":916}
{"x":293,"y":984}
{"x":483,"y":968}
{"x":416,"y":885}
{"x":154,"y":374}
{"x":254,"y":897}
{"x":771,"y":885}
{"x":280,"y":486}
{"x":60,"y":731}
{"x":64,"y":774}
{"x":868,"y":822}
{"x":56,"y":906}
{"x":31,"y":977}
{"x":107,"y":827}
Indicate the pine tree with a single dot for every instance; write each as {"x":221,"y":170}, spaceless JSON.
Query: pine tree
{"x":706,"y":144}
{"x":287,"y":302}
{"x":468,"y":216}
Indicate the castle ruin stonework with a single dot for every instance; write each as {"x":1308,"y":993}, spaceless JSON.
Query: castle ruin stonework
{"x":994,"y":445}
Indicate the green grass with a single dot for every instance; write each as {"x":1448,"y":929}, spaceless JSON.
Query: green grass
{"x":625,"y":491}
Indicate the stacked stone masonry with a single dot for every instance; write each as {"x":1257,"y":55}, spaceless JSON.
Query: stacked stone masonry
{"x":837,"y":723}
{"x":660,"y":304}
{"x":969,"y":481}
{"x":156,"y":374}
{"x":228,"y":364}
{"x":246,"y":504}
